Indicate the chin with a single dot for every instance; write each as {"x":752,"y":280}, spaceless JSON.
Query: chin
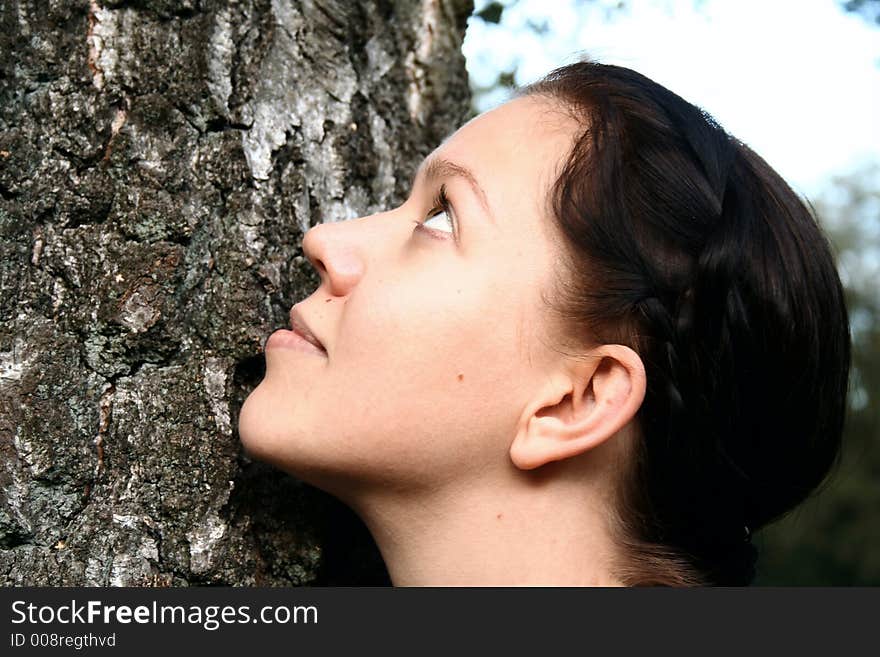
{"x":287,"y":438}
{"x":268,"y":436}
{"x":253,"y":427}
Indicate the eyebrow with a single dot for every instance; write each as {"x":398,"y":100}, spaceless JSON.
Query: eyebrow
{"x":435,"y":168}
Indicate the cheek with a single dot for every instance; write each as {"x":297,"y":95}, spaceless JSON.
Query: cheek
{"x":423,"y":321}
{"x":444,"y":351}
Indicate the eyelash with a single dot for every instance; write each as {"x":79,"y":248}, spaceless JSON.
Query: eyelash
{"x":440,"y":202}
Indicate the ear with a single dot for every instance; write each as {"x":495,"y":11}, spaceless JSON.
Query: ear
{"x":581,"y":408}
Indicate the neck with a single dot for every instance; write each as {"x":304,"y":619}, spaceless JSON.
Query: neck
{"x":529,"y":532}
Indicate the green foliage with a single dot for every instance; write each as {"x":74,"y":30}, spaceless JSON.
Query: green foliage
{"x":507,"y":79}
{"x":491,"y":13}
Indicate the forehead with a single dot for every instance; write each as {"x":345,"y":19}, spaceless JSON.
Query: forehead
{"x":519,"y":125}
{"x":517,"y":147}
{"x":532,"y":115}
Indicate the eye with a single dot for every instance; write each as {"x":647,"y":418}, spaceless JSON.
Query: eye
{"x":442,"y":217}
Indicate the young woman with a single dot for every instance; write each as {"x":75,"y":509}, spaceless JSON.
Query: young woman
{"x":602,"y":342}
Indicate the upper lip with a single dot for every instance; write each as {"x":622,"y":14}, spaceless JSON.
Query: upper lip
{"x":299,"y":325}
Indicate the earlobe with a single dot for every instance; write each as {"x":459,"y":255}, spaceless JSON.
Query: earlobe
{"x":581,"y":410}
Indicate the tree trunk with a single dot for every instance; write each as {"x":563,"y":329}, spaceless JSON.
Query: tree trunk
{"x":159,"y":163}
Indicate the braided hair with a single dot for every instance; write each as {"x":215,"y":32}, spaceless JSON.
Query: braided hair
{"x":684,"y":245}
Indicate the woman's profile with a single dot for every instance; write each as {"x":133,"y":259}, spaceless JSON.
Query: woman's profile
{"x":601,"y":343}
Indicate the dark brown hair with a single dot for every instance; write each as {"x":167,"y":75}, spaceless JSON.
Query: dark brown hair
{"x":684,"y":245}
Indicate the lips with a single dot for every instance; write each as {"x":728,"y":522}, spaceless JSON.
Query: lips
{"x":298,"y":325}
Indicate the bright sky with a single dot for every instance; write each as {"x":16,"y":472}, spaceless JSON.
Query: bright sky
{"x":799,"y":81}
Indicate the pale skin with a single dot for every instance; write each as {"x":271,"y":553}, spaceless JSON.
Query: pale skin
{"x":475,"y":452}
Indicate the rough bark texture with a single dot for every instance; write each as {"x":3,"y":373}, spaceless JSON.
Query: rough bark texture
{"x":159,"y":162}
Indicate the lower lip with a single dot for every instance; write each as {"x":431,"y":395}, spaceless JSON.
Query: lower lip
{"x":284,"y":339}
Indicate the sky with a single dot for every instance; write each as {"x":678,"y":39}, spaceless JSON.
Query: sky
{"x":798,"y":81}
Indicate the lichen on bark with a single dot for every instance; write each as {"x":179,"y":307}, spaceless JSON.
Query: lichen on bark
{"x":159,"y":163}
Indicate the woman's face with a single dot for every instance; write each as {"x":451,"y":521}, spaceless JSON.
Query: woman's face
{"x":436,"y":337}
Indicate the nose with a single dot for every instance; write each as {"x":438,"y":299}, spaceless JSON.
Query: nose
{"x":338,"y":261}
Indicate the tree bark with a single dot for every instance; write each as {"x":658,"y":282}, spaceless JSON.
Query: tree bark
{"x":159,"y":163}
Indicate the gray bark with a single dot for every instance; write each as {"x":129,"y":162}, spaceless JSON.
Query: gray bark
{"x":159,"y":162}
